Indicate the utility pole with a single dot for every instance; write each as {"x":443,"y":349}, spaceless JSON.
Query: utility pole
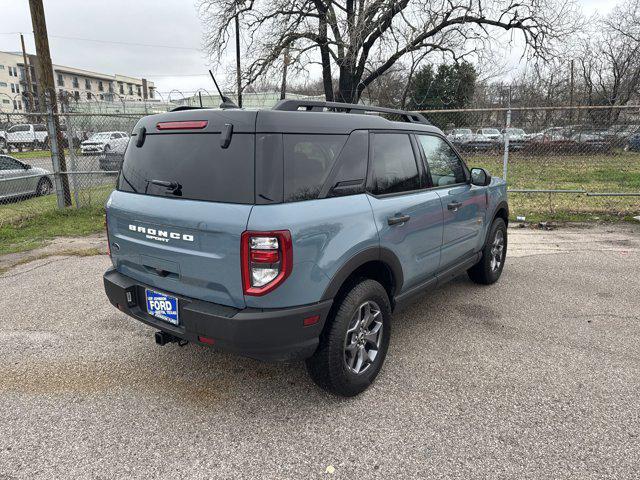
{"x":283,"y":86}
{"x":238,"y":60}
{"x":49,"y":94}
{"x":27,"y":76}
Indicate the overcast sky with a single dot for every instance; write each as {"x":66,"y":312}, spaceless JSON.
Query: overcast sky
{"x":172,"y":23}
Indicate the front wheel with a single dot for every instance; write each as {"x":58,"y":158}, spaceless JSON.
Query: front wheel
{"x":489,"y":268}
{"x":354,"y":342}
{"x":44,"y":187}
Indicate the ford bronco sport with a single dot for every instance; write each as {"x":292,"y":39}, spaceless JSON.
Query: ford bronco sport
{"x":296,"y":232}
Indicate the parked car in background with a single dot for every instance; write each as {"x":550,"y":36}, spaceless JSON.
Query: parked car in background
{"x":18,"y":179}
{"x":3,"y":138}
{"x":619,"y":135}
{"x":458,"y":135}
{"x":492,"y":134}
{"x":517,"y":137}
{"x":111,"y":160}
{"x":475,"y":142}
{"x":548,"y":135}
{"x":633,"y":143}
{"x":102,"y":142}
{"x":27,"y":135}
{"x":589,"y":140}
{"x":572,"y":139}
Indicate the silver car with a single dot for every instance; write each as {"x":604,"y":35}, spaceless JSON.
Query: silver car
{"x":18,"y":179}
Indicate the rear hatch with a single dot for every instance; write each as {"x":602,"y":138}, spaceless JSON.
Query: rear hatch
{"x":182,"y":202}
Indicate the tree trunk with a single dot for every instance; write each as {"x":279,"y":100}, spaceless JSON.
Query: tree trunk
{"x":348,"y":91}
{"x":325,"y":57}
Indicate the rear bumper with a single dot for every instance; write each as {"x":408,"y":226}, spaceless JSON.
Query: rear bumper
{"x":263,"y":334}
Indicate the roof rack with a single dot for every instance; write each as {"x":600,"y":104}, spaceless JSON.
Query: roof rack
{"x":293,"y":105}
{"x":185,"y":107}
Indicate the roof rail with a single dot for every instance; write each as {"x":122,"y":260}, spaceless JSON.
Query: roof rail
{"x":292,"y":105}
{"x":185,"y":107}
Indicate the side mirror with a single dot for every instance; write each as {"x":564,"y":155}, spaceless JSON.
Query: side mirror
{"x":27,"y":166}
{"x":480,"y":177}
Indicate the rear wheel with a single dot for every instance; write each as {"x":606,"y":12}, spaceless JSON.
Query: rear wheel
{"x":44,"y":187}
{"x":489,"y":268}
{"x":354,"y":343}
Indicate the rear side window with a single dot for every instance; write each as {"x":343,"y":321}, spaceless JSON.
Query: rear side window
{"x":394,"y":164}
{"x":193,"y":162}
{"x":308,"y":159}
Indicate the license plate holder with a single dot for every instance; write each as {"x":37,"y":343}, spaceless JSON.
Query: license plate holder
{"x":162,"y":306}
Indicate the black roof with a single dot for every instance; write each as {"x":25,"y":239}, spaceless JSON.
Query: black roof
{"x":294,"y":116}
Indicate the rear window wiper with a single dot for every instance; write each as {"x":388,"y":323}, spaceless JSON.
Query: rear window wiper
{"x":173,"y":187}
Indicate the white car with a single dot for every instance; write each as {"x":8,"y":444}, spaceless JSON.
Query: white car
{"x":18,"y":179}
{"x":103,"y":142}
{"x":458,"y":135}
{"x":28,"y":135}
{"x":492,"y":134}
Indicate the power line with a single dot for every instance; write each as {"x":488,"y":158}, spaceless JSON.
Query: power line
{"x":112,"y":42}
{"x":167,"y":75}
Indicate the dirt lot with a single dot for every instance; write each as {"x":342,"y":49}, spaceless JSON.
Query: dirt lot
{"x":534,"y":377}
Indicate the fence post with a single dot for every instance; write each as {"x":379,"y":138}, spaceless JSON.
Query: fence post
{"x":55,"y":157}
{"x":505,"y":160}
{"x":71,"y":135}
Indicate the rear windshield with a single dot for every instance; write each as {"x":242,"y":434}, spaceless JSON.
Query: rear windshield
{"x":191,"y":166}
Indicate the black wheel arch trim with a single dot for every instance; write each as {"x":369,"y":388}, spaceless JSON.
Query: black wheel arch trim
{"x":502,"y":205}
{"x":370,"y":254}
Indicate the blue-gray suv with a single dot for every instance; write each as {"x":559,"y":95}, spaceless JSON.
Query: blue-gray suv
{"x":295,"y":233}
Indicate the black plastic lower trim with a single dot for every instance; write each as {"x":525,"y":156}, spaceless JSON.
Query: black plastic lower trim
{"x":404,"y":299}
{"x":264,"y":334}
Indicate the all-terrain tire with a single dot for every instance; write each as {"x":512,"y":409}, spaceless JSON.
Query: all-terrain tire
{"x":489,"y":268}
{"x":328,"y":366}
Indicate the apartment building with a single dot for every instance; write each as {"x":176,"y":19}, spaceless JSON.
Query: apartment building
{"x":71,"y":84}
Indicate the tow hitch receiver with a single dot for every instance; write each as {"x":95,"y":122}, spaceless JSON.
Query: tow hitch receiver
{"x":162,"y":338}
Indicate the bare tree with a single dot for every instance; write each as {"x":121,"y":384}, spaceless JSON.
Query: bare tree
{"x":610,"y":58}
{"x":360,"y":40}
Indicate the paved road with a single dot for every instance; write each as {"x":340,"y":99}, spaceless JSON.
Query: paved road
{"x":535,"y":377}
{"x":83,"y":162}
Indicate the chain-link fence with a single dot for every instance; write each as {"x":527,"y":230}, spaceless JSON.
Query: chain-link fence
{"x":561,"y":163}
{"x":37,"y":175}
{"x":565,"y":163}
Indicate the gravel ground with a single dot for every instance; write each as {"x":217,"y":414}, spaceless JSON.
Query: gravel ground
{"x":536,"y":377}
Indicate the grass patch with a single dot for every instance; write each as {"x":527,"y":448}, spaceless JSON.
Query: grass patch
{"x":615,"y":172}
{"x":32,"y":232}
{"x":17,"y":211}
{"x":37,"y":154}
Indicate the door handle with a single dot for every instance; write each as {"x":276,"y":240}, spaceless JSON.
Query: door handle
{"x":454,"y":206}
{"x":398,"y":219}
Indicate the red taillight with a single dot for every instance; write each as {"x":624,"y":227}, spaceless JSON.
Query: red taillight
{"x":265,"y":256}
{"x":182,"y":125}
{"x":267,"y":259}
